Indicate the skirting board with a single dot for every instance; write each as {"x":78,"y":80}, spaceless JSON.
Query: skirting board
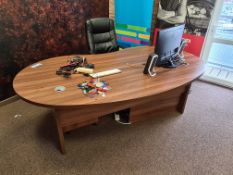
{"x":9,"y":100}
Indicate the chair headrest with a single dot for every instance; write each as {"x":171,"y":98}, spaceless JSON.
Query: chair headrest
{"x":100,"y":25}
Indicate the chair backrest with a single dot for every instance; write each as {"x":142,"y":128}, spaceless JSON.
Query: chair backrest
{"x":101,"y":35}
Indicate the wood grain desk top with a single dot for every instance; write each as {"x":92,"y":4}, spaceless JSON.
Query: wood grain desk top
{"x":37,"y":85}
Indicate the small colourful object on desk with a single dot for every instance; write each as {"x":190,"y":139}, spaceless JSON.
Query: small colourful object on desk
{"x":94,"y":87}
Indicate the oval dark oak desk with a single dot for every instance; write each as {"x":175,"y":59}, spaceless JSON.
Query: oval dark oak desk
{"x":144,"y":95}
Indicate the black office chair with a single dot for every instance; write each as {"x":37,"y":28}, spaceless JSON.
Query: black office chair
{"x":101,"y":35}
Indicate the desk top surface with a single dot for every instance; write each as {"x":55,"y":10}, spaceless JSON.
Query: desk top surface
{"x":36,"y":85}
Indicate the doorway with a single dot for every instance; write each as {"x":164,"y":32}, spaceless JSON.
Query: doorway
{"x":218,"y":49}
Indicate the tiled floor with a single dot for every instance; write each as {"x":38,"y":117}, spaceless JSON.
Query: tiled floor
{"x":218,"y":74}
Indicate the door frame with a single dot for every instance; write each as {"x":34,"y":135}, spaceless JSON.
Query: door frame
{"x":209,"y":39}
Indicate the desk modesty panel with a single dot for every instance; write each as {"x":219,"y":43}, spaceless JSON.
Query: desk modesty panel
{"x":145,"y":96}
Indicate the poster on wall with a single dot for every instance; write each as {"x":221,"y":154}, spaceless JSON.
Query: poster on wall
{"x":196,"y":14}
{"x":198,"y":17}
{"x":133,"y":22}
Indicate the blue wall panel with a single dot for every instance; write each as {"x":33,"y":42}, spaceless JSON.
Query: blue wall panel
{"x":133,"y":16}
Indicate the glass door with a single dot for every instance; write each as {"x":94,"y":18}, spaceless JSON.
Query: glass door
{"x":218,"y":49}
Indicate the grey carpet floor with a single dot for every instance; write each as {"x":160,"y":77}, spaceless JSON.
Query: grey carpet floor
{"x":199,"y":142}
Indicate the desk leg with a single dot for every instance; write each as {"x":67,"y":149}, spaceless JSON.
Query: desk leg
{"x":60,"y":135}
{"x":68,"y":119}
{"x":183,"y":99}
